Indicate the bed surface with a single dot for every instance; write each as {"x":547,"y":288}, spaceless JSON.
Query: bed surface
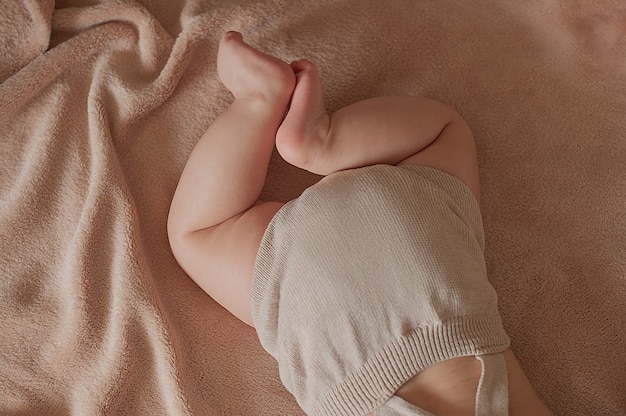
{"x":102,"y":102}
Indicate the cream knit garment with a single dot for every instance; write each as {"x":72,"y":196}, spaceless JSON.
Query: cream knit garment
{"x":370,"y":276}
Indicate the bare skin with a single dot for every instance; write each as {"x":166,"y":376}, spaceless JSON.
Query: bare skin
{"x":216,"y":220}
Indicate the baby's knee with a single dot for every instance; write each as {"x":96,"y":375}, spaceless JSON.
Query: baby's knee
{"x":307,"y":145}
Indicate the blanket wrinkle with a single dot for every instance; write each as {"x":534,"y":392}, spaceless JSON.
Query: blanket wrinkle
{"x":101,"y":103}
{"x":26,"y":28}
{"x":99,"y":312}
{"x":153,"y":43}
{"x":137,"y":74}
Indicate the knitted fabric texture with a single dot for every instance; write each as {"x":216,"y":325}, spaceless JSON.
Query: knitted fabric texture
{"x":370,"y":276}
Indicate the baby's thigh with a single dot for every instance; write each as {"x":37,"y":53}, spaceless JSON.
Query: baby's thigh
{"x":221,"y":261}
{"x":453,"y":152}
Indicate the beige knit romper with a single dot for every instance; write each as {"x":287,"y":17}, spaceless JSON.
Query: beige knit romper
{"x":369,"y":277}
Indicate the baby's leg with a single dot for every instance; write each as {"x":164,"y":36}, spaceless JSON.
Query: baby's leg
{"x":387,"y":130}
{"x":215,"y":223}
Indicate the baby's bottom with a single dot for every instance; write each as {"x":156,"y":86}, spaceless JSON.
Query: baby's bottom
{"x":451,"y":388}
{"x":465,"y":389}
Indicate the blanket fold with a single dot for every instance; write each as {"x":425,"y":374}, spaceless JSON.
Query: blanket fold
{"x":26,"y":28}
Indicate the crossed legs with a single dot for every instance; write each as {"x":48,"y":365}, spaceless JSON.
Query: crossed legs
{"x":216,"y":221}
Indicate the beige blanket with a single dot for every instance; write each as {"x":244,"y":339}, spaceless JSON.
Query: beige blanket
{"x":101,"y":103}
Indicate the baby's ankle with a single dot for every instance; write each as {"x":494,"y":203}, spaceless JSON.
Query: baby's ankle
{"x":270,"y":97}
{"x":273,"y":89}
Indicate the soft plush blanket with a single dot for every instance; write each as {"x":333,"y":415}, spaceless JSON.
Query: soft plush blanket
{"x":101,"y":103}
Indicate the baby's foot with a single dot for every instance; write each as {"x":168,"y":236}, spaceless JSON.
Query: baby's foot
{"x":248,"y":73}
{"x":301,"y":139}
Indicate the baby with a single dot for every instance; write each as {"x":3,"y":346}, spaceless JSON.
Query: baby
{"x":369,"y":289}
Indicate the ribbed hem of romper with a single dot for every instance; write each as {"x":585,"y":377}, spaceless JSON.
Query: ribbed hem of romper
{"x":382,"y":375}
